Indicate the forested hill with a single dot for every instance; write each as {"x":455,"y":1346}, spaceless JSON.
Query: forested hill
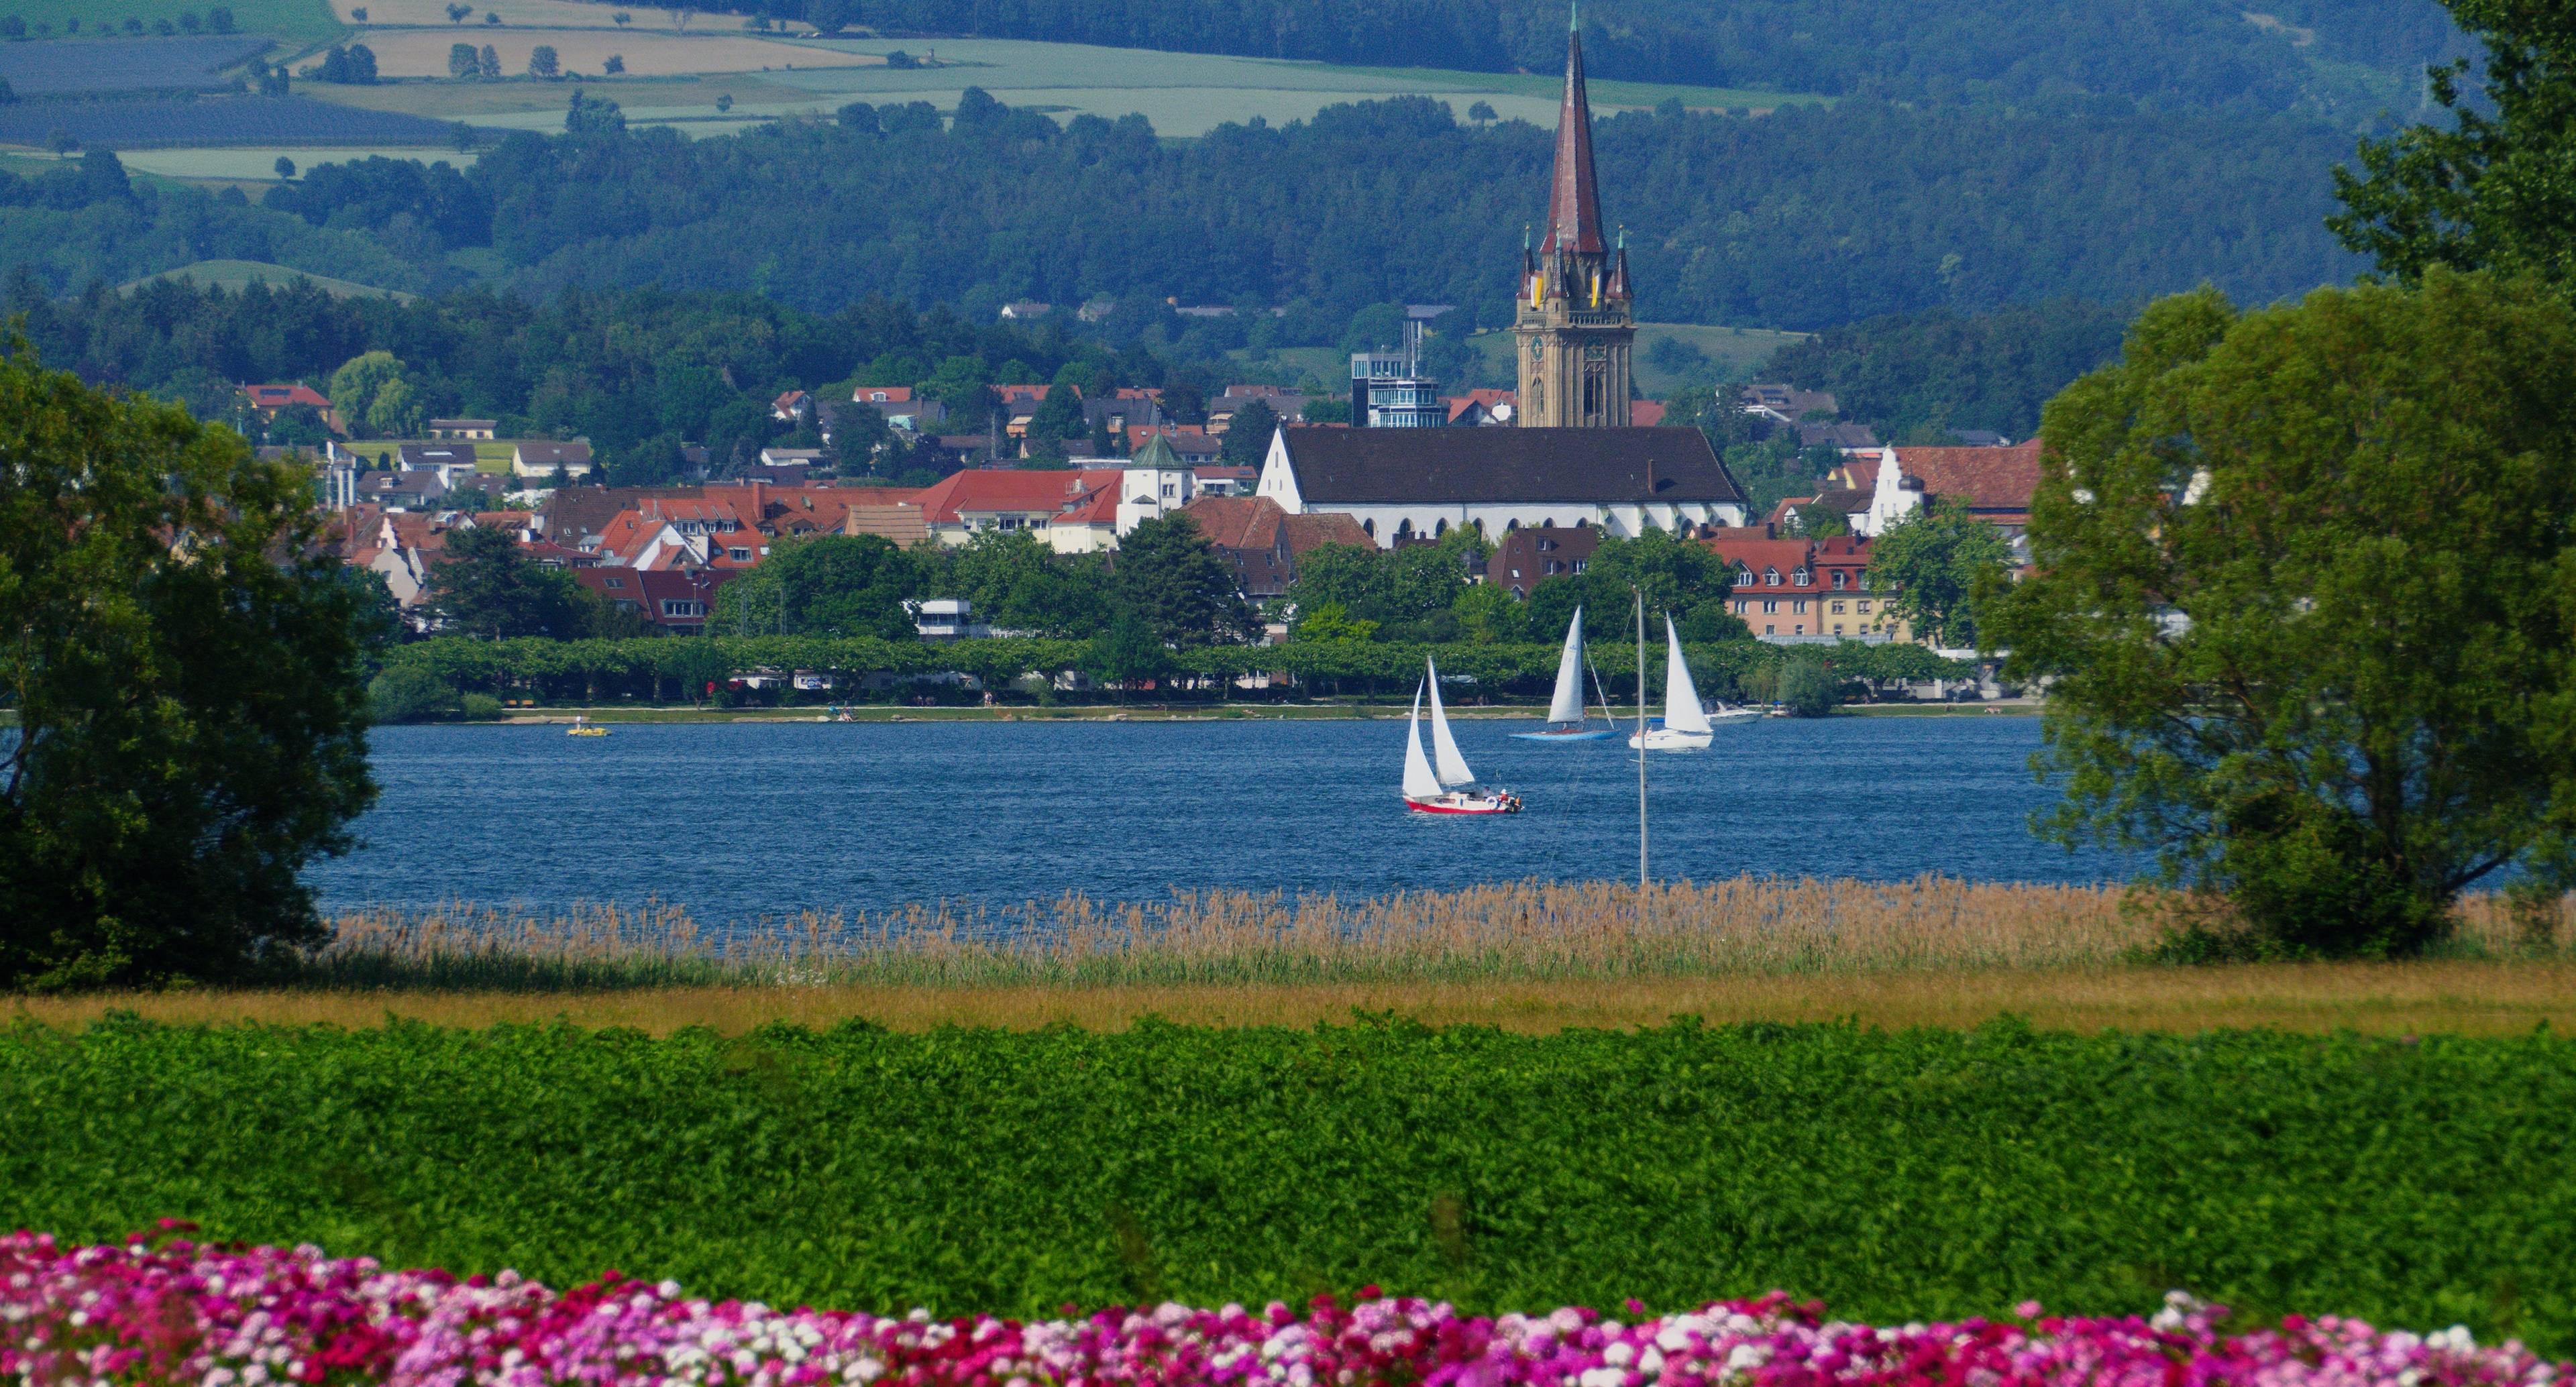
{"x":2330,"y":56}
{"x":1803,"y":219}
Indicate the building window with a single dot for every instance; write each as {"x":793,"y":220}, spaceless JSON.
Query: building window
{"x":1838,"y":628}
{"x":1838,"y":609}
{"x":739,"y":555}
{"x":1770,"y":630}
{"x":674,"y":606}
{"x":1741,"y":605}
{"x":1770,"y":606}
{"x":1579,"y":563}
{"x":615,"y":582}
{"x":1770,"y":577}
{"x":1799,"y":606}
{"x":1802,"y":578}
{"x":1863,"y":606}
{"x":1841,"y":580}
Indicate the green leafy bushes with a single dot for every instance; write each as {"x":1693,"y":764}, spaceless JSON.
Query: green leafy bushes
{"x":1927,"y":1173}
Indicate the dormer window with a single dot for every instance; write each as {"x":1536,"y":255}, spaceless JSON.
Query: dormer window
{"x":1770,"y":577}
{"x":1841,"y":580}
{"x":1802,"y":578}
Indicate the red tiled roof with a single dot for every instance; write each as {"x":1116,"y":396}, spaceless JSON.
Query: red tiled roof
{"x":985,"y":490}
{"x":1991,"y":479}
{"x":1237,"y":522}
{"x":1646,"y":414}
{"x":881,"y":395}
{"x":280,"y":396}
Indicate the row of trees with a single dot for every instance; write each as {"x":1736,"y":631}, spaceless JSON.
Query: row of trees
{"x":1784,"y":221}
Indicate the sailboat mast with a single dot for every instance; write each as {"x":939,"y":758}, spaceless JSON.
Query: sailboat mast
{"x":1641,"y":750}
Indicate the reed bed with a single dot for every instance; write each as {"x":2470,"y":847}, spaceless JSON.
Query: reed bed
{"x":1525,"y":931}
{"x":1527,"y":956}
{"x":1521,"y":931}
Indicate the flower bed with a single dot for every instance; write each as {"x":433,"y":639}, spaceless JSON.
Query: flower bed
{"x":160,"y":1310}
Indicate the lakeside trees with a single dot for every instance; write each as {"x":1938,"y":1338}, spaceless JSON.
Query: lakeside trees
{"x":185,"y":668}
{"x":2305,"y":595}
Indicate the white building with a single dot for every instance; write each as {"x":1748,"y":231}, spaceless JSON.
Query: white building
{"x":1403,"y":483}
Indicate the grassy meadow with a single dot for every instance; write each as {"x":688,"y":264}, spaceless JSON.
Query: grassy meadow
{"x":241,"y":274}
{"x":296,"y":21}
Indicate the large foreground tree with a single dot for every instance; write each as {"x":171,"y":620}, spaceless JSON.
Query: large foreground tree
{"x":2305,"y":593}
{"x":186,"y":673}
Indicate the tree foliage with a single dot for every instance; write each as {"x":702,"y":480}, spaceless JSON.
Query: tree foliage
{"x":2490,"y":190}
{"x":1941,"y":561}
{"x":488,"y":587}
{"x":2305,"y":595}
{"x":185,"y":670}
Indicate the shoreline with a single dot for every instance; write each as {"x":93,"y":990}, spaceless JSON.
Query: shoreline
{"x":1223,"y":712}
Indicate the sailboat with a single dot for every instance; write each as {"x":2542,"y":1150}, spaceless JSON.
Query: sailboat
{"x":1450,"y":788}
{"x":1565,"y":708}
{"x":1684,"y":726}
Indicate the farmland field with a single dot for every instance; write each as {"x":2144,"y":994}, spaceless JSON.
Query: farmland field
{"x":238,"y":274}
{"x":258,"y":164}
{"x":244,"y":120}
{"x":543,"y":14}
{"x":1182,"y":93}
{"x":303,"y":21}
{"x":125,"y":65}
{"x":423,"y":52}
{"x":1897,"y":1175}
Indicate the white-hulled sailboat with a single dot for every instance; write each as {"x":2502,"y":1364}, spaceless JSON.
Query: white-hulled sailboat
{"x":1684,"y":726}
{"x":1449,"y":788}
{"x":1565,"y":709}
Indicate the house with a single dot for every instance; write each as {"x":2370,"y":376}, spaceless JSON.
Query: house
{"x":790,"y":466}
{"x":1479,"y":408}
{"x":467,"y":429}
{"x":1222,"y":479}
{"x":446,"y":457}
{"x":539,"y":461}
{"x":1842,"y":438}
{"x":1075,"y":512}
{"x":409,"y":491}
{"x":1533,"y":554}
{"x":267,"y":400}
{"x":1263,"y":543}
{"x":1646,"y":414}
{"x":1785,"y":404}
{"x":792,"y":407}
{"x":1022,"y":310}
{"x":1995,"y":484}
{"x":1288,"y":404}
{"x":517,"y":522}
{"x":678,"y":601}
{"x":946,"y":619}
{"x":1403,"y":483}
{"x":1795,"y":514}
{"x":1980,"y":438}
{"x":1192,"y":443}
{"x":1792,"y":590}
{"x":1030,"y":395}
{"x":1123,"y":411}
{"x":1153,"y":484}
{"x":893,"y":518}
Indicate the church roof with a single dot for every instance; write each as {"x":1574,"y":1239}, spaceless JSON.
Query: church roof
{"x":1574,"y":201}
{"x":1507,"y":466}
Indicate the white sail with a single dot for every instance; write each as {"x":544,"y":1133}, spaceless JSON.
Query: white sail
{"x":1419,"y":782}
{"x":1682,"y":712}
{"x":1453,"y":767}
{"x":1567,"y":705}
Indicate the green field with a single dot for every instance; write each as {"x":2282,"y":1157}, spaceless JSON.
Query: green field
{"x":303,"y":21}
{"x":1922,"y":1173}
{"x":1183,"y":94}
{"x":237,"y":274}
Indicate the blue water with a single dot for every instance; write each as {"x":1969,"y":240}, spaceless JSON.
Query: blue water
{"x":741,"y":821}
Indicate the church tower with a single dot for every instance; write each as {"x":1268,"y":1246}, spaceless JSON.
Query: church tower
{"x":1574,"y":322}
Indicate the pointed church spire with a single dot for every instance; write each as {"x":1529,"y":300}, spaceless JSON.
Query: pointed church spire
{"x":1574,"y":202}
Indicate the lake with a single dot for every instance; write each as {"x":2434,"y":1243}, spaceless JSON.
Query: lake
{"x":743,"y":820}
